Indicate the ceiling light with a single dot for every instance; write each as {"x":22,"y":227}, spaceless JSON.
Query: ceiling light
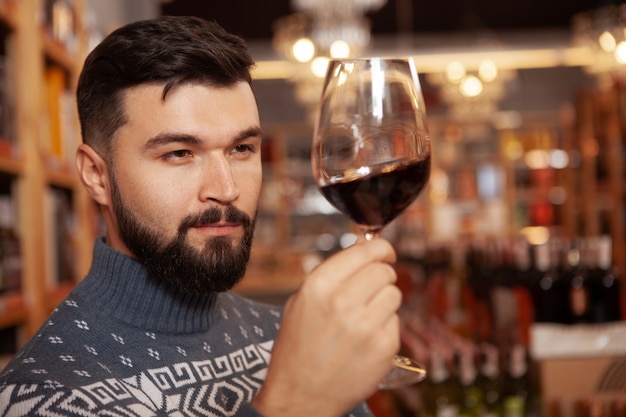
{"x":471,"y":86}
{"x":303,"y":50}
{"x":455,"y":71}
{"x":318,"y":67}
{"x":488,"y":71}
{"x":340,"y":49}
{"x":607,"y":41}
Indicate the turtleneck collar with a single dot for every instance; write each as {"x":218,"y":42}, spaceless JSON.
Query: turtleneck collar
{"x":120,"y":287}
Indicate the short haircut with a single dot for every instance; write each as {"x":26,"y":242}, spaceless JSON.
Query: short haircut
{"x":168,"y":51}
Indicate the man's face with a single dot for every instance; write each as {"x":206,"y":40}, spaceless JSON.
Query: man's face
{"x":185,"y":180}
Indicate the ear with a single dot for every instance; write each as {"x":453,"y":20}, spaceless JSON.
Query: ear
{"x":93,"y":173}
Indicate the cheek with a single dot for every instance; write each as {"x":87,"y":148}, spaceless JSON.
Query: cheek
{"x":152,"y":199}
{"x":249,"y":184}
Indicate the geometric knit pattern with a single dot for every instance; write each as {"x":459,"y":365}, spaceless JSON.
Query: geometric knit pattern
{"x":213,"y":385}
{"x":123,"y":345}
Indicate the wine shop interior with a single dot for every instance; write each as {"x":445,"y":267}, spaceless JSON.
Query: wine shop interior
{"x":511,"y":261}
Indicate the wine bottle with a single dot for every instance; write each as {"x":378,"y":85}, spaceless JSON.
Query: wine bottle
{"x":489,"y":381}
{"x":606,"y":291}
{"x":579,"y":284}
{"x":549,"y":297}
{"x":440,"y":395}
{"x":471,"y":399}
{"x":516,"y":383}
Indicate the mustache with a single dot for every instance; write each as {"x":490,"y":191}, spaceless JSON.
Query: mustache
{"x":229,"y":214}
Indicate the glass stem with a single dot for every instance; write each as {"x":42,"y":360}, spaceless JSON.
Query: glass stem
{"x":372,"y":234}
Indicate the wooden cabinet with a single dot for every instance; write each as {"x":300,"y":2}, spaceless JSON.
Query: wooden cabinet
{"x":36,"y":156}
{"x":599,"y":183}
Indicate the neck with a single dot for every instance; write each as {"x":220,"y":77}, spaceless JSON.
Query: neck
{"x":120,"y":287}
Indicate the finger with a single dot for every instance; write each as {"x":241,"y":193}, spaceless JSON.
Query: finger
{"x":382,"y":316}
{"x":363,"y":286}
{"x":342,"y":265}
{"x":388,"y":300}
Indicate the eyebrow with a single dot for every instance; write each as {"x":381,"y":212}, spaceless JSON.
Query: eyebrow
{"x":166,"y":138}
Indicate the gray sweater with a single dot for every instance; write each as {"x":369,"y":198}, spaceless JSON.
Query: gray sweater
{"x":122,"y":344}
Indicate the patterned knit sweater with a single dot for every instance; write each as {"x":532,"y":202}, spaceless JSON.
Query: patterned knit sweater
{"x":123,"y":345}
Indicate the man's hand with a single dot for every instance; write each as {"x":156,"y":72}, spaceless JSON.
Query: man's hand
{"x":338,"y":336}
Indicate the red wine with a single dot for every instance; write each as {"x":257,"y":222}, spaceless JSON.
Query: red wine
{"x":375,"y":200}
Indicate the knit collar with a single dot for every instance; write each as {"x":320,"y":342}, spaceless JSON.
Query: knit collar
{"x":120,"y":287}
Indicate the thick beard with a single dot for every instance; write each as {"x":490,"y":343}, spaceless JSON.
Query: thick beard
{"x":217,"y":268}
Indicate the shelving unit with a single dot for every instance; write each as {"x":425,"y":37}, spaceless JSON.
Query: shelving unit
{"x":26,"y":159}
{"x":599,"y":133}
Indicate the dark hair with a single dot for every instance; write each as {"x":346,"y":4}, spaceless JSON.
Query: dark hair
{"x":168,"y":50}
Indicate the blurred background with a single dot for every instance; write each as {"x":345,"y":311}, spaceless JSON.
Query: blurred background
{"x":509,"y":261}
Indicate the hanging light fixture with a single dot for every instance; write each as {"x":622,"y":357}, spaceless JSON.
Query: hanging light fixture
{"x":472,"y":92}
{"x":318,"y":31}
{"x":603,"y":31}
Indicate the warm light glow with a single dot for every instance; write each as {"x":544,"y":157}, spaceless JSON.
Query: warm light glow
{"x":590,"y":148}
{"x":471,"y":86}
{"x":303,"y":50}
{"x":488,"y":71}
{"x":558,"y":159}
{"x":537,"y":159}
{"x":439,"y":186}
{"x":620,"y":52}
{"x":455,"y":71}
{"x":536,"y":235}
{"x":607,"y":41}
{"x":513,"y":149}
{"x":340,"y":49}
{"x":318,"y":66}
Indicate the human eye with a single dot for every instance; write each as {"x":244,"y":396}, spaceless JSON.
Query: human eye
{"x":178,"y":155}
{"x":243,"y":149}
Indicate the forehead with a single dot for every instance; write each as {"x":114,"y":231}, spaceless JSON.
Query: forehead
{"x":195,"y":109}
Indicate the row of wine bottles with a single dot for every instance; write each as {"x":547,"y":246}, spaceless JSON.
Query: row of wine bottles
{"x":487,"y":287}
{"x":569,"y":280}
{"x":476,"y":381}
{"x":469,"y":307}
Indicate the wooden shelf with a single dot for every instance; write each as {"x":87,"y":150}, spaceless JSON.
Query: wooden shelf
{"x":62,"y":178}
{"x":56,"y":53}
{"x":13,"y":310}
{"x":11,"y":165}
{"x":265,"y":285}
{"x":27,"y":156}
{"x":58,"y":294}
{"x":7,"y":14}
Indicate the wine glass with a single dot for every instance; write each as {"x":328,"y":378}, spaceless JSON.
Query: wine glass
{"x":371,"y":152}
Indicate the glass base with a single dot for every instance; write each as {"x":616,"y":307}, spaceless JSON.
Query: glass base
{"x":404,"y":372}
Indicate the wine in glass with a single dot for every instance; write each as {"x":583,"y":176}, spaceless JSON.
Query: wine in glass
{"x":371,"y":152}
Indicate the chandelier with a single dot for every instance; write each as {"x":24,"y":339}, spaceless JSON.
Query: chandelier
{"x":603,"y":32}
{"x":318,"y":31}
{"x":472,"y":93}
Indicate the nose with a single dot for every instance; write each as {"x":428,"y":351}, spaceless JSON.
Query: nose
{"x":218,"y":183}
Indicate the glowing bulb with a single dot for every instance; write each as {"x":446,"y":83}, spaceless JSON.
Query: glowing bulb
{"x":536,"y":235}
{"x":455,"y":71}
{"x":620,"y":52}
{"x":537,"y":159}
{"x":558,"y":159}
{"x":303,"y":50}
{"x":488,"y":70}
{"x":513,"y":149}
{"x":318,"y":66}
{"x":471,"y":86}
{"x":340,"y":49}
{"x":607,"y":41}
